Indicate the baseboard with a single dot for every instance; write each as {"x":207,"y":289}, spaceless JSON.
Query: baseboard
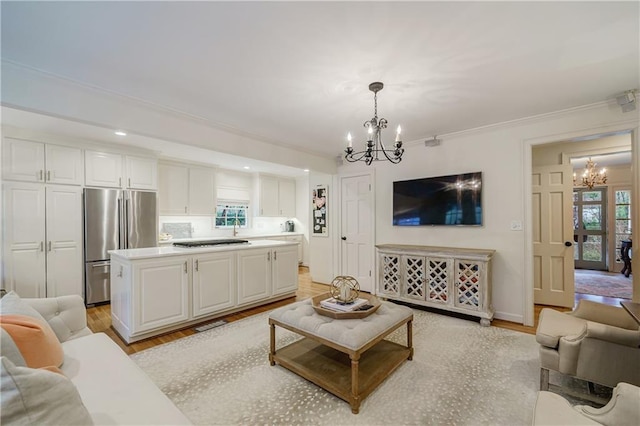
{"x":509,"y":317}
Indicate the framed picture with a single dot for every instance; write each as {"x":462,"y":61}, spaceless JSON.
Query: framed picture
{"x":319,"y":211}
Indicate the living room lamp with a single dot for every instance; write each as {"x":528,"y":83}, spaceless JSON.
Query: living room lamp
{"x":591,"y":177}
{"x":374,"y":145}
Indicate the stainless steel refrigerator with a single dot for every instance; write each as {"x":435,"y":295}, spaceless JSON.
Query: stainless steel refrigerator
{"x":114,"y":219}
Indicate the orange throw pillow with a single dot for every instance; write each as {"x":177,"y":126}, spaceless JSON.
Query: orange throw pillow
{"x":35,"y":340}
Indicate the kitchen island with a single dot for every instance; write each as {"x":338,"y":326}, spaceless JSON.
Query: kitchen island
{"x":160,"y":289}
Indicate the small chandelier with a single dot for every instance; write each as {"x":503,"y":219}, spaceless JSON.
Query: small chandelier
{"x":374,"y":145}
{"x":591,"y":177}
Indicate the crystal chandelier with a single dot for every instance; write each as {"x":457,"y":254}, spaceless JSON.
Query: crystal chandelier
{"x":591,"y":177}
{"x":375,"y":147}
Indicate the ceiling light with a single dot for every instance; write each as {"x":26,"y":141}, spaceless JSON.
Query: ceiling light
{"x":591,"y":177}
{"x":246,"y":167}
{"x":120,"y":133}
{"x":306,"y":170}
{"x":374,"y":145}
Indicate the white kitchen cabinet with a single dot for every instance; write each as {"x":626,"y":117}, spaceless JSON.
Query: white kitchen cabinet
{"x":111,"y":170}
{"x":213,"y":282}
{"x":43,"y":239}
{"x":297,"y":239}
{"x":254,"y":275}
{"x":277,"y":196}
{"x":287,"y":197}
{"x":103,"y":169}
{"x":186,"y":190}
{"x":284,"y":266}
{"x":202,"y":191}
{"x":30,"y":161}
{"x":452,"y":279}
{"x":160,"y":292}
{"x":142,"y":173}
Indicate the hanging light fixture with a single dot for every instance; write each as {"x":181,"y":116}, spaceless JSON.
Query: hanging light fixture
{"x":375,"y":149}
{"x":591,"y":177}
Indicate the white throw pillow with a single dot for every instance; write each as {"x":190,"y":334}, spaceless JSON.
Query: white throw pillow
{"x":39,"y":397}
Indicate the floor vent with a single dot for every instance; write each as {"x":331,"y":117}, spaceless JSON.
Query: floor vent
{"x":210,"y":325}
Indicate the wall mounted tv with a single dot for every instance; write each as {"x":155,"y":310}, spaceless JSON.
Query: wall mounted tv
{"x":443,"y":200}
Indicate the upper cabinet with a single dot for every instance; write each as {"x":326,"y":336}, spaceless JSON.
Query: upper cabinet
{"x":186,"y":190}
{"x":277,"y":196}
{"x":30,"y":161}
{"x":105,"y":169}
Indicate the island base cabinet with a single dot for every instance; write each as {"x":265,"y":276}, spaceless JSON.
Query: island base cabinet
{"x":214,"y":281}
{"x":121,"y":295}
{"x":285,"y":270}
{"x":254,"y":275}
{"x":161,"y":293}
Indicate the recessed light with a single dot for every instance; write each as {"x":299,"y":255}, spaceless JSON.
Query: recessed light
{"x":247,"y":167}
{"x":306,"y":170}
{"x":120,"y":133}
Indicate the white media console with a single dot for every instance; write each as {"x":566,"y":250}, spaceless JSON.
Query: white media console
{"x":453,"y":279}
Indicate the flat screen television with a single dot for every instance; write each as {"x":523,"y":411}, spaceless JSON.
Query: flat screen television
{"x":442,"y":200}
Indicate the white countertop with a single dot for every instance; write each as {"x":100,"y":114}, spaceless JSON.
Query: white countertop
{"x":154,"y":252}
{"x":239,"y":236}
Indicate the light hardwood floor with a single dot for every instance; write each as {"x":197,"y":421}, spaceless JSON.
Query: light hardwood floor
{"x":99,"y":317}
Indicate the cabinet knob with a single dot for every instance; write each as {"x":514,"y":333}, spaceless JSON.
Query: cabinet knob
{"x":41,"y":175}
{"x":49,"y":175}
{"x":49,"y":245}
{"x":196,"y":264}
{"x":185,"y":267}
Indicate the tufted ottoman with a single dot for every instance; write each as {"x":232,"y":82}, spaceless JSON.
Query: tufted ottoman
{"x":347,"y":357}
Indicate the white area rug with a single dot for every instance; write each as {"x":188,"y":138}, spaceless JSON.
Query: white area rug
{"x":461,"y":374}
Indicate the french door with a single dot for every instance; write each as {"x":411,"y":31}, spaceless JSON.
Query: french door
{"x":590,"y":228}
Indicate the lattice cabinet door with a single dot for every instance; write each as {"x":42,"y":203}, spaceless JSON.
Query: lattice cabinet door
{"x":414,"y":277}
{"x":468,"y":284}
{"x":390,"y":280}
{"x":438,"y":278}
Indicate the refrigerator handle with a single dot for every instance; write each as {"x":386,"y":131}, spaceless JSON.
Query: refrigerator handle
{"x":126,"y":220}
{"x":121,"y":233}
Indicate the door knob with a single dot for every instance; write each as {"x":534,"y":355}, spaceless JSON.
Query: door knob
{"x":568,"y":243}
{"x":344,"y":238}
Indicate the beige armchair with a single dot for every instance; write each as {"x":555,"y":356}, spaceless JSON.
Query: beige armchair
{"x":622,"y":410}
{"x":595,"y":342}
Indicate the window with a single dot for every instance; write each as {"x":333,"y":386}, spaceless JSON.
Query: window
{"x":231,"y":213}
{"x":623,"y":219}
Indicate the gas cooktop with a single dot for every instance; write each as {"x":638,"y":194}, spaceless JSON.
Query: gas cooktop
{"x":207,"y":243}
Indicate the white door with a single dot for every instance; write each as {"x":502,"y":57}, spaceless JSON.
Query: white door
{"x":552,"y":201}
{"x":103,"y":169}
{"x":161,"y":293}
{"x":173,"y":189}
{"x":214,"y":281}
{"x":22,"y":160}
{"x":285,"y":269}
{"x":357,"y":230}
{"x":64,"y":165}
{"x":142,"y":173}
{"x":254,"y":275}
{"x":287,"y":197}
{"x":202,"y":191}
{"x":24,"y":256}
{"x":269,"y":196}
{"x":64,"y":240}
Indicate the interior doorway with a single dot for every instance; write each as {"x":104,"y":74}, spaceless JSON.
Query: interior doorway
{"x":599,"y":223}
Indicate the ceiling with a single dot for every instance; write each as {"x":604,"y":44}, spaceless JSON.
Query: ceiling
{"x":297,"y":73}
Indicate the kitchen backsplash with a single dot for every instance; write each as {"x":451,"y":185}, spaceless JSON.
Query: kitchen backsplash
{"x":203,"y":226}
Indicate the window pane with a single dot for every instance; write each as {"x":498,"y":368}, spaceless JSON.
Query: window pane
{"x":219,"y":221}
{"x":623,"y":212}
{"x":575,"y":197}
{"x":592,"y":248}
{"x":623,"y":197}
{"x":592,"y":217}
{"x":592,"y":196}
{"x":575,"y":217}
{"x":623,"y":226}
{"x":576,"y":252}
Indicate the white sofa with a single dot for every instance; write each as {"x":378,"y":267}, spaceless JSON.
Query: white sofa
{"x":113,"y":388}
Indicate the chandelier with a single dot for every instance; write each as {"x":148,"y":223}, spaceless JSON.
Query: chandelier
{"x":375,"y":149}
{"x":591,"y":177}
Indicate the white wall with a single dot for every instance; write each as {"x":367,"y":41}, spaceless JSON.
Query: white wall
{"x":322,"y":256}
{"x":503,"y":154}
{"x":303,"y":207}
